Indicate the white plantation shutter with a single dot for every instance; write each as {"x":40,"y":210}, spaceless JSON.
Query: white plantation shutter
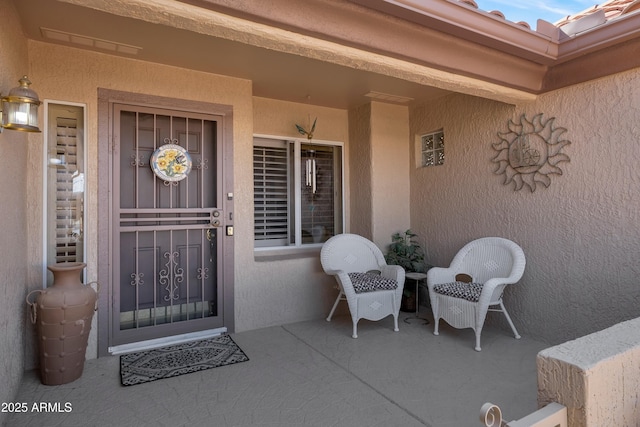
{"x":66,"y":204}
{"x":271,"y":193}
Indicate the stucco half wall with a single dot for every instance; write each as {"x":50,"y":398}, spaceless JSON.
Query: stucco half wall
{"x":597,"y":377}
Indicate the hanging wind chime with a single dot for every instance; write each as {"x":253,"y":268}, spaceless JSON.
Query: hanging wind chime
{"x":310,"y":163}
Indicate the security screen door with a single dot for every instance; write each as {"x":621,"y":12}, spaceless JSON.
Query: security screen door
{"x":167,"y":199}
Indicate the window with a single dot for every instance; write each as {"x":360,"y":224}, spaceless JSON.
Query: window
{"x":64,"y":214}
{"x":432,"y":149}
{"x":297,"y":192}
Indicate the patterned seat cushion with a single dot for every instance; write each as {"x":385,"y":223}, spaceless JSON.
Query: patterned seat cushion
{"x":368,"y":282}
{"x":469,"y":291}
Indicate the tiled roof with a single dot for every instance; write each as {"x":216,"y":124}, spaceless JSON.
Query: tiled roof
{"x":612,"y":10}
{"x":497,"y":13}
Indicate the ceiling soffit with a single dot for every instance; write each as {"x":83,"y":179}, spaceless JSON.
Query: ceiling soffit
{"x":436,"y":46}
{"x":224,"y":20}
{"x":454,"y":37}
{"x":350,"y":24}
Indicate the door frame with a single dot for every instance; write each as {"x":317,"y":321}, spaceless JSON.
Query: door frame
{"x":106,"y":99}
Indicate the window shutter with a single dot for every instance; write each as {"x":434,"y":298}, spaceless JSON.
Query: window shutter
{"x":271,"y":194}
{"x":67,"y":206}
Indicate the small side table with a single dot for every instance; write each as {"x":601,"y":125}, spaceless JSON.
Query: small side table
{"x":417,"y":277}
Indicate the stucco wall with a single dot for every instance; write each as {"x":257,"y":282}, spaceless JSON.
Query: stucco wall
{"x":390,"y":171}
{"x":74,"y":75}
{"x":13,"y":250}
{"x":273,"y":291}
{"x":580,"y":235}
{"x":360,"y":167}
{"x":379,"y":146}
{"x":264,"y":295}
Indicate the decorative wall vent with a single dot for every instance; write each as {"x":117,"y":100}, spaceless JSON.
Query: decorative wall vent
{"x":530,"y":152}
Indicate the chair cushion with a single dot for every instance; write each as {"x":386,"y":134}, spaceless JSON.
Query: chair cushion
{"x":469,"y":291}
{"x":368,"y":282}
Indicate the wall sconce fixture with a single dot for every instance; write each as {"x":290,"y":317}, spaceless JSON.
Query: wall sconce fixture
{"x":19,"y":109}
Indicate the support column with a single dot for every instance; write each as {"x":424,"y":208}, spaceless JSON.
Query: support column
{"x":379,"y":146}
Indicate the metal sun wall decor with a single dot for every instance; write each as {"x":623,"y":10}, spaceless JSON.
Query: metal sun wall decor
{"x":530,"y":152}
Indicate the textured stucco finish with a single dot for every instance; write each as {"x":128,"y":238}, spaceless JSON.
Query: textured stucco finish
{"x":264,"y":296}
{"x":580,"y":234}
{"x":379,"y":147}
{"x":13,"y":211}
{"x":360,"y":167}
{"x":389,"y":171}
{"x":279,"y":291}
{"x":208,"y":22}
{"x":597,"y":377}
{"x":73,"y":75}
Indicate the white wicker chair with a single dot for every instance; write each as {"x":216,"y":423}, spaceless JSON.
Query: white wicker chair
{"x":345,"y":254}
{"x":493,"y":263}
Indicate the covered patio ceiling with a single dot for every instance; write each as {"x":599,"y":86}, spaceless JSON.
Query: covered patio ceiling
{"x":334,"y":53}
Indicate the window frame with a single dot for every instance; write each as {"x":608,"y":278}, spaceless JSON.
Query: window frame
{"x":436,"y":150}
{"x":298,"y":247}
{"x":46,"y":196}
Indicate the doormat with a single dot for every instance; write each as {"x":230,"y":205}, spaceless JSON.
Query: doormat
{"x":179,"y":359}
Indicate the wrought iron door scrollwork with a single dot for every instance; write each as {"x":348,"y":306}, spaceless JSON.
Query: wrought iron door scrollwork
{"x":171,"y":276}
{"x":137,"y":279}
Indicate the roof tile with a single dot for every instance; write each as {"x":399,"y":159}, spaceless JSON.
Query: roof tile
{"x":612,"y":9}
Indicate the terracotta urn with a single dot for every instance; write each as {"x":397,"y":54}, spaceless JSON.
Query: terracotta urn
{"x":63,"y":313}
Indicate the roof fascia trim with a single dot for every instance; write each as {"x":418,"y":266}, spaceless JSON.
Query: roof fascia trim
{"x":477,"y":26}
{"x":612,"y":33}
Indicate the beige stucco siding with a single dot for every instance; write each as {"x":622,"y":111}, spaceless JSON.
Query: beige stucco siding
{"x":379,"y":169}
{"x":74,"y":75}
{"x":266,"y":293}
{"x":580,"y":235}
{"x":13,"y":206}
{"x":276,"y":291}
{"x":390,"y":171}
{"x":360,"y":170}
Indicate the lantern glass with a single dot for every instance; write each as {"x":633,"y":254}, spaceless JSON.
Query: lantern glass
{"x":20,"y":108}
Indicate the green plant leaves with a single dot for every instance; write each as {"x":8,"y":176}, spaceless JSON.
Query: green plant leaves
{"x":406,"y":252}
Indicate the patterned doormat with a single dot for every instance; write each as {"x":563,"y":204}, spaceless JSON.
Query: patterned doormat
{"x":179,"y":359}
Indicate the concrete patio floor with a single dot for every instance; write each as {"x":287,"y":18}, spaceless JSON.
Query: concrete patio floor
{"x":313,"y":374}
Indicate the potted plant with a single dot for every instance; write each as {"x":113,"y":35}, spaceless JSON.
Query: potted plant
{"x":406,"y":252}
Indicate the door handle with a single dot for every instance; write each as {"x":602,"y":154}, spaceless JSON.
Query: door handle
{"x":212,"y":234}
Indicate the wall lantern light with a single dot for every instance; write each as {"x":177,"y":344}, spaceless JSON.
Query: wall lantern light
{"x":19,"y":109}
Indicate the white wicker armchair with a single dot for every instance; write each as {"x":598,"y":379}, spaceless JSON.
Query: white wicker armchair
{"x":492,"y":263}
{"x":355,"y":262}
